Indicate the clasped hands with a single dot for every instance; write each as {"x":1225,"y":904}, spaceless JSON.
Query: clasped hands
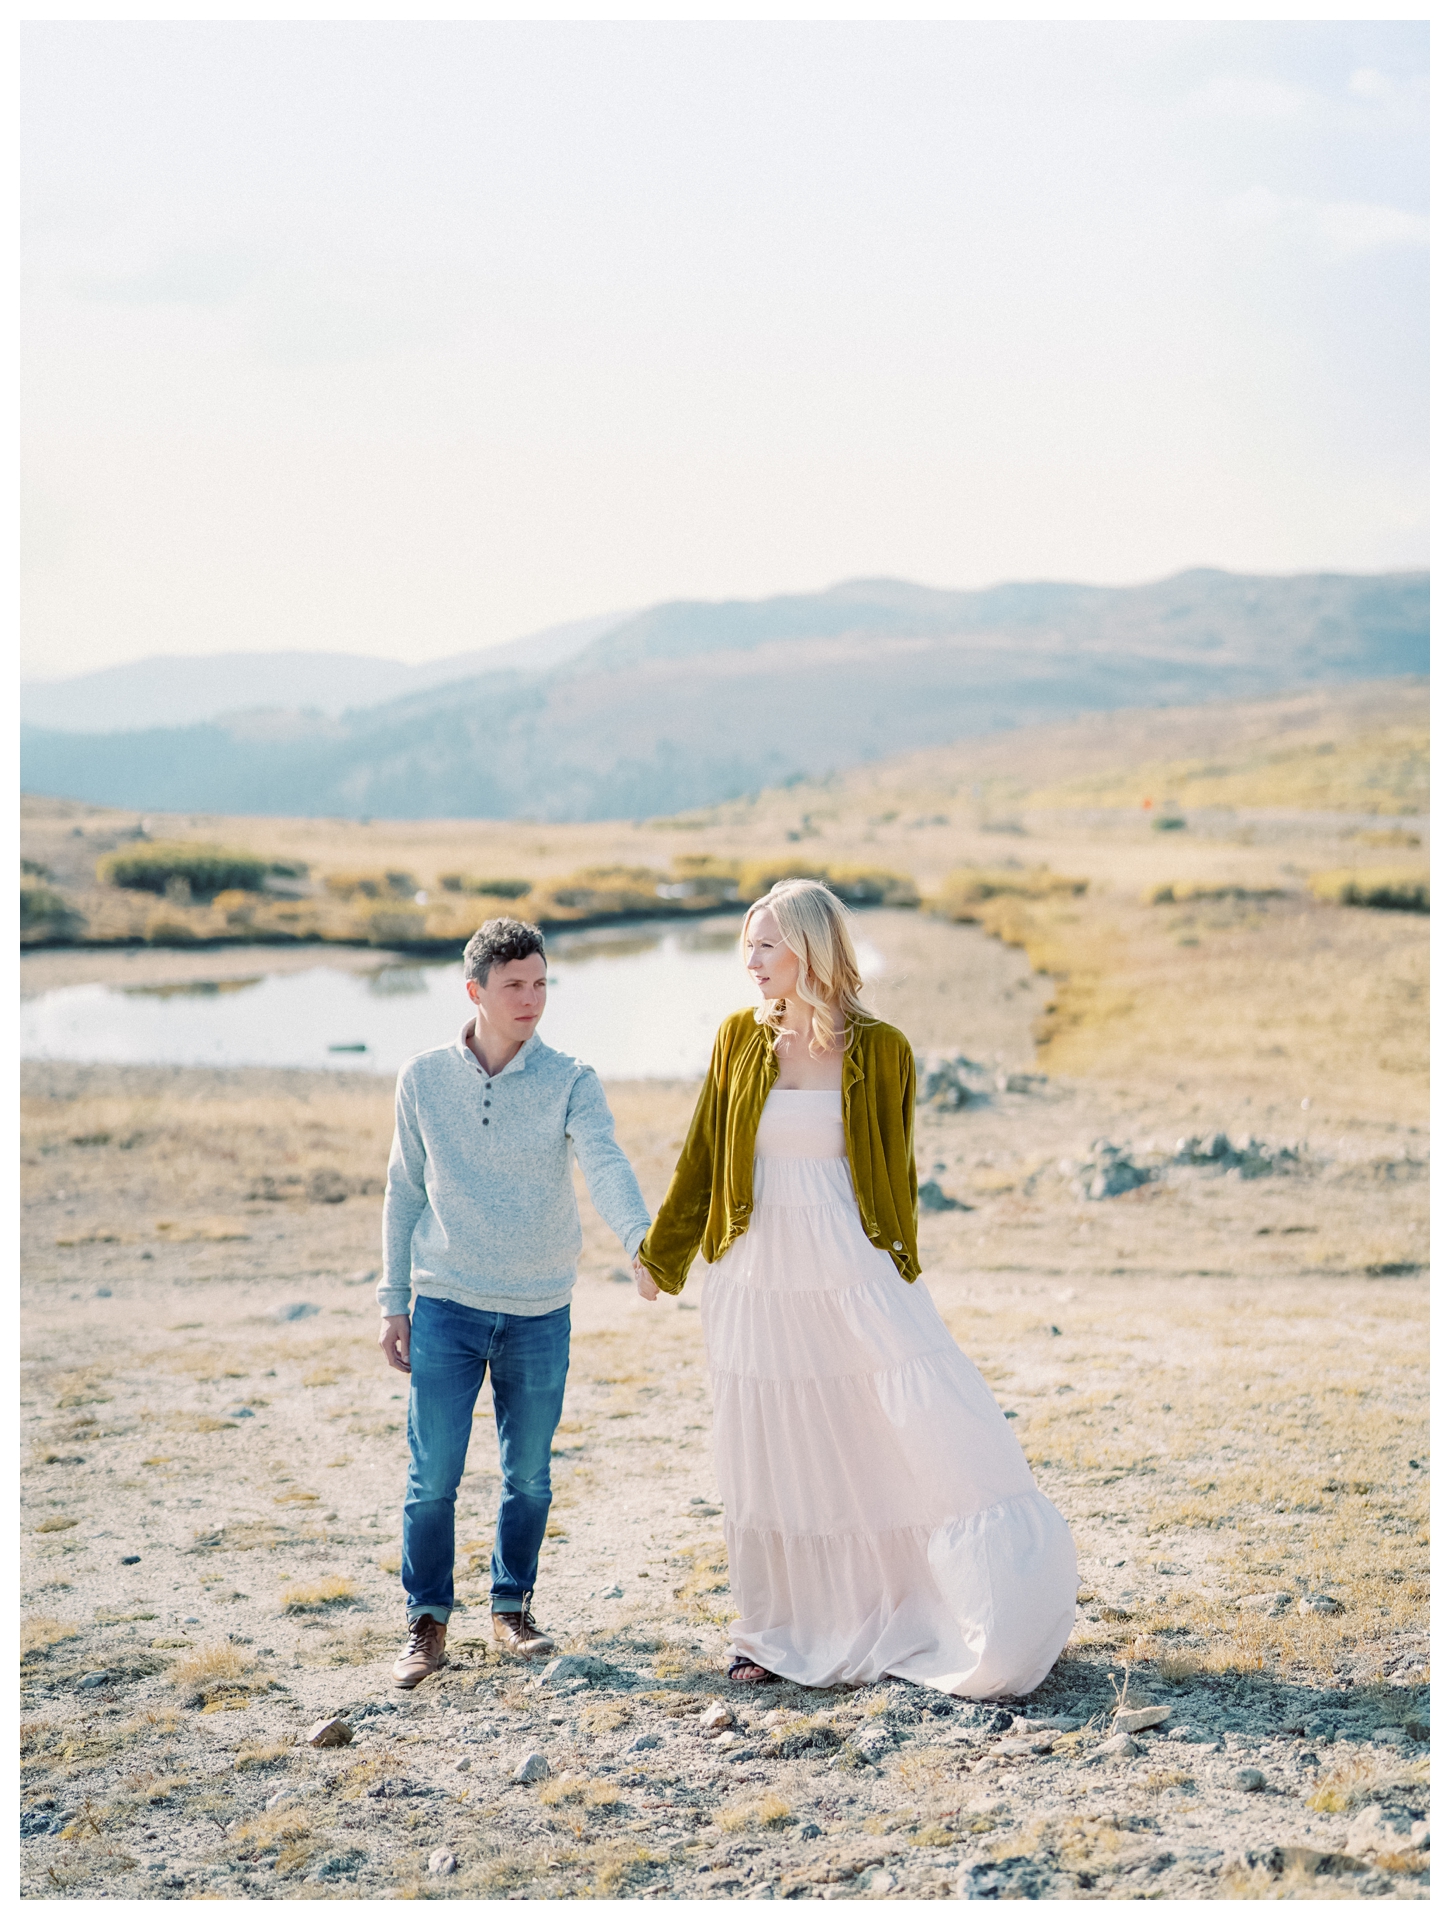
{"x":644,"y":1286}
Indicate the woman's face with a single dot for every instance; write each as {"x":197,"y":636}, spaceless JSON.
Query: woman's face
{"x":769,"y":961}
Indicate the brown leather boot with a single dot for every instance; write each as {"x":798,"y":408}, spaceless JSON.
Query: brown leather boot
{"x":424,"y":1653}
{"x":518,"y":1633}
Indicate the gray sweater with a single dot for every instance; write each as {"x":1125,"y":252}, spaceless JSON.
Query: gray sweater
{"x":480,"y":1204}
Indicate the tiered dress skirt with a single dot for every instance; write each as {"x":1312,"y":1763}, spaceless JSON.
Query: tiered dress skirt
{"x":879,"y":1513}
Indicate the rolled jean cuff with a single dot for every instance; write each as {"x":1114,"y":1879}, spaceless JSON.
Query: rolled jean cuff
{"x":507,"y":1603}
{"x":440,"y":1614}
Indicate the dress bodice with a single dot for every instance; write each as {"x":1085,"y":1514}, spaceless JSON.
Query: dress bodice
{"x":800,"y":1123}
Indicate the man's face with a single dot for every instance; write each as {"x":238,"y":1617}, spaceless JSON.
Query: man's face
{"x":511,"y":1001}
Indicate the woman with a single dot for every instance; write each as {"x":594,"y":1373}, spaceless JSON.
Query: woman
{"x":879,"y":1514}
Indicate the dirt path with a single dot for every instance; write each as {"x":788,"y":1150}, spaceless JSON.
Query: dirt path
{"x":1219,"y":1379}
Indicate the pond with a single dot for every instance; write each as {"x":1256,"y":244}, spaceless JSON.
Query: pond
{"x":639,"y":1002}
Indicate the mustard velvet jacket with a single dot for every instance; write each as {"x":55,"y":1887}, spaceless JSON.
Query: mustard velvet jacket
{"x":712,"y":1192}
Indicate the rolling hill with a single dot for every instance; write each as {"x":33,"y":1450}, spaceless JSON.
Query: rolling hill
{"x":694,"y":702}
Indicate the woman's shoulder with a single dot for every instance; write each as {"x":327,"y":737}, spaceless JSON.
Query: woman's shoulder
{"x":881,"y":1041}
{"x":736,"y":1027}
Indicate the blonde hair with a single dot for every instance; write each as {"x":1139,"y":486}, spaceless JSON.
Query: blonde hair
{"x":817,"y":929}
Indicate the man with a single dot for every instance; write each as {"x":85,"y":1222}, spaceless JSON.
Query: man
{"x":481,"y":1232}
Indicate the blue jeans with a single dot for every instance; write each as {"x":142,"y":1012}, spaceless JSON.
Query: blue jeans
{"x":528,"y":1357}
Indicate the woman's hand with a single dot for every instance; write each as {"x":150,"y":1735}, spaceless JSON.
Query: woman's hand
{"x":644,"y":1286}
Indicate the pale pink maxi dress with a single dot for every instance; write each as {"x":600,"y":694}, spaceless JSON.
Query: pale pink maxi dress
{"x":879,"y":1513}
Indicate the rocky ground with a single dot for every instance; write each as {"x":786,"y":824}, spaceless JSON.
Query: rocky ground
{"x":1217,"y":1368}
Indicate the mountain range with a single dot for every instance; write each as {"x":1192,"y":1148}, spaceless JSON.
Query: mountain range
{"x":692,"y":702}
{"x":180,"y":690}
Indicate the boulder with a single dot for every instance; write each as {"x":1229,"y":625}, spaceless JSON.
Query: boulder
{"x":1108,"y":1171}
{"x":950,"y":1082}
{"x":532,"y":1767}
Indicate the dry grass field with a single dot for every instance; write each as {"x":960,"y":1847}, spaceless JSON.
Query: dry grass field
{"x":1219,"y":1375}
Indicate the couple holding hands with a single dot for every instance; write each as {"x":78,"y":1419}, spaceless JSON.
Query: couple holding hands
{"x":879,"y":1514}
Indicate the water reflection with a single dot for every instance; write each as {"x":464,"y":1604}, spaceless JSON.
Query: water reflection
{"x":195,"y":988}
{"x":394,"y":979}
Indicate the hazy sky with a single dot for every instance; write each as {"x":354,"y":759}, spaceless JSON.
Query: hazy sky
{"x":407,"y":338}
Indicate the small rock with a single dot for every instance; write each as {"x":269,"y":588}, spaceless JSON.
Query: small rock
{"x":880,"y":1882}
{"x":1264,"y":1602}
{"x":810,"y":1831}
{"x":440,"y":1860}
{"x":103,"y":1293}
{"x":283,"y":1797}
{"x":1247,"y":1780}
{"x":717,"y":1717}
{"x":463,"y":1766}
{"x":240,"y":1413}
{"x":330,"y":1733}
{"x":569,"y":1670}
{"x":130,"y":1559}
{"x":100,"y":1678}
{"x":615,"y":1592}
{"x":296,"y":1310}
{"x":1308,"y":1758}
{"x":644,"y":1743}
{"x":532,"y":1767}
{"x":1320,"y":1603}
{"x":1135,"y":1719}
{"x":727,"y":1740}
{"x":1024,"y":1747}
{"x":1193,"y":1736}
{"x":931,"y":1199}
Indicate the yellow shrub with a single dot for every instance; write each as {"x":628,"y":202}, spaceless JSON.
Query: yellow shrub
{"x":335,"y":1591}
{"x":1396,"y":888}
{"x":966,"y":888}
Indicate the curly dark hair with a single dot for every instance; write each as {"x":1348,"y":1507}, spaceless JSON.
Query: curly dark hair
{"x":500,"y":940}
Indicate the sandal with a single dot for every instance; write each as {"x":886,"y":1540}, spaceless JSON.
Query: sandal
{"x":749,"y":1672}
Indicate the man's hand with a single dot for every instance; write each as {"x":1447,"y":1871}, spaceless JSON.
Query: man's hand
{"x":644,"y":1286}
{"x":394,"y":1339}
